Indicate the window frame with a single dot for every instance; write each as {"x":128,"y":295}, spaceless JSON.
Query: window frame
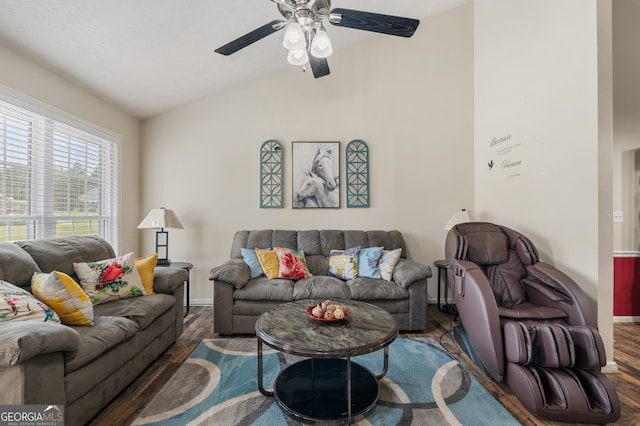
{"x":42,"y":223}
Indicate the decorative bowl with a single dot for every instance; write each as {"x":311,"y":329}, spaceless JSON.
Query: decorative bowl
{"x":347,"y":314}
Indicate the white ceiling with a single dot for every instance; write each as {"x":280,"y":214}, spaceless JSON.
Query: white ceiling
{"x":149,"y":56}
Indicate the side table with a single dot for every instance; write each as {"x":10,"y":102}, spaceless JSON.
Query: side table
{"x":187,"y":267}
{"x":447,"y":308}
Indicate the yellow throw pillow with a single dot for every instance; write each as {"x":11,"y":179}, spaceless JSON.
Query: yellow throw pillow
{"x":65,"y":296}
{"x":145,"y":266}
{"x":269,"y":262}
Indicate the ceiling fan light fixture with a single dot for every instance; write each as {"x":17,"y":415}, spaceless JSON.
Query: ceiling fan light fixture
{"x":297,"y":57}
{"x":321,"y":45}
{"x":294,"y":37}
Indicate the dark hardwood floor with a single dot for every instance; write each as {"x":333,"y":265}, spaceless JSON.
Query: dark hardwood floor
{"x":199,"y":325}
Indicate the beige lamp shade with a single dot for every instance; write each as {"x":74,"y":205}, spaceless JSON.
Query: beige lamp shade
{"x":161,"y":218}
{"x":460,"y":216}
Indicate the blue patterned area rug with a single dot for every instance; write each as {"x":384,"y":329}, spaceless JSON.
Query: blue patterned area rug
{"x":218,"y":385}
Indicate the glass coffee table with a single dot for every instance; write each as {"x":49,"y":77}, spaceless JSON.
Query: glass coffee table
{"x":327,"y":385}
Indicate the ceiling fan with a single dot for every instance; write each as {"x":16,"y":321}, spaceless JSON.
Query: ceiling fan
{"x":305,"y":36}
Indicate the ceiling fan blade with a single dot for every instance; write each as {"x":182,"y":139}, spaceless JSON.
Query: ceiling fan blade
{"x":250,"y":38}
{"x":376,"y":22}
{"x":319,"y":66}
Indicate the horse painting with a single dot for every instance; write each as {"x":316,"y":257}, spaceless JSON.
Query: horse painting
{"x":314,"y":193}
{"x":322,"y":166}
{"x":316,"y":183}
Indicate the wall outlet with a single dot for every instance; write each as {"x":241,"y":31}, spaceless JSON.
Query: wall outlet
{"x":618,"y":216}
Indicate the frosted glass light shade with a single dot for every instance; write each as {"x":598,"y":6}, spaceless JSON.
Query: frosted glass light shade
{"x":321,"y":45}
{"x":297,"y":57}
{"x":161,"y":218}
{"x":294,"y":37}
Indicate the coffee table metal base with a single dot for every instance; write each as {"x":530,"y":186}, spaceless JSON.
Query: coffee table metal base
{"x":318,"y":389}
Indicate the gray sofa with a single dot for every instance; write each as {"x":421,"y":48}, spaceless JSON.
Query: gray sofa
{"x":82,"y":367}
{"x":239,"y":301}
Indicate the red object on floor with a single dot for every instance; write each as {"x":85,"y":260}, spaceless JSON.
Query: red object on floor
{"x":626,"y":286}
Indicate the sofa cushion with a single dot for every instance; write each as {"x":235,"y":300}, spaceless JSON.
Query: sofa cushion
{"x":373,"y":289}
{"x":59,"y":254}
{"x":65,"y":296}
{"x":321,"y":287}
{"x":16,"y":266}
{"x":233,"y":271}
{"x":23,"y":340}
{"x":142,"y":310}
{"x":106,"y":333}
{"x":266,"y":289}
{"x":17,"y":304}
{"x":110,"y":279}
{"x":318,"y":264}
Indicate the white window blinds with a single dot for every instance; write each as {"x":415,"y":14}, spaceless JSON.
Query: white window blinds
{"x":56,"y":178}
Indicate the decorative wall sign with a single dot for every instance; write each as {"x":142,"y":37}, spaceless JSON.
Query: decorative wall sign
{"x":316,"y":183}
{"x":271,"y":179}
{"x":357,"y":174}
{"x":506,"y":156}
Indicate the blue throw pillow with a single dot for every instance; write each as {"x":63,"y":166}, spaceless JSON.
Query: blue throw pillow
{"x":368,"y":262}
{"x":251,"y":259}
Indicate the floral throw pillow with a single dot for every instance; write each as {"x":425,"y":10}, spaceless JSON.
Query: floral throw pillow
{"x":388,"y":263}
{"x":343,"y":264}
{"x":292,"y":264}
{"x":59,"y":291}
{"x":17,"y":304}
{"x":112,"y":279}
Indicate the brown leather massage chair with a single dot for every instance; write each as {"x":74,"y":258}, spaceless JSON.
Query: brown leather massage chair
{"x":526,"y":322}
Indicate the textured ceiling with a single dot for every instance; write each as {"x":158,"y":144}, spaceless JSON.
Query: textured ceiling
{"x":149,"y":56}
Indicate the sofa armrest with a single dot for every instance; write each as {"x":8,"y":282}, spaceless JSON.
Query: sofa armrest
{"x":168,"y":280}
{"x":407,"y":272}
{"x":233,"y":271}
{"x":23,"y":340}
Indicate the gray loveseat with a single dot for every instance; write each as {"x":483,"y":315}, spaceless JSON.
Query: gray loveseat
{"x":82,"y":367}
{"x":239,"y":301}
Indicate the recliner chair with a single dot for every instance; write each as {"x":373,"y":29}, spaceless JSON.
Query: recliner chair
{"x":526,"y":322}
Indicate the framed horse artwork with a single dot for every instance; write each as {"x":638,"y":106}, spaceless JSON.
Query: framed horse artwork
{"x":315,"y":175}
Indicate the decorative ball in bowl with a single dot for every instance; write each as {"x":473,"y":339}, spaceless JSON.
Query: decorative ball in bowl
{"x":328,"y":311}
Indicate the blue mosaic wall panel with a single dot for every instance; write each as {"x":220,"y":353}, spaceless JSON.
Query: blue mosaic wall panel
{"x":357,"y":174}
{"x":271,"y":178}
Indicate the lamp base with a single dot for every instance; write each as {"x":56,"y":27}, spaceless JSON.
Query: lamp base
{"x":164,"y":262}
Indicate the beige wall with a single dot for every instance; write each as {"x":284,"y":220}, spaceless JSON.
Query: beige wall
{"x":536,"y":79}
{"x":411,"y":100}
{"x":24,"y":76}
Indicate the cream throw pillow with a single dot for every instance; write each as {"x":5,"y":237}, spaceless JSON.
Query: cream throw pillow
{"x":112,"y":279}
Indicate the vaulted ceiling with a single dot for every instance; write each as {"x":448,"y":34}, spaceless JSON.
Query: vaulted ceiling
{"x":149,"y":56}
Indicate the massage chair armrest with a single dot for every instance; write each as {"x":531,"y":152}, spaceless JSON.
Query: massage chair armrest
{"x":23,"y":340}
{"x":408,"y":272}
{"x":548,"y":286}
{"x":234,"y":271}
{"x":168,"y":280}
{"x":478,"y":312}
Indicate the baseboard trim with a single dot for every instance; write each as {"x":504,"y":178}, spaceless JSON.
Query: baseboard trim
{"x":626,"y":319}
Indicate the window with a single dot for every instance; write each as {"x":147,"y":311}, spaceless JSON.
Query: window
{"x":57,"y":174}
